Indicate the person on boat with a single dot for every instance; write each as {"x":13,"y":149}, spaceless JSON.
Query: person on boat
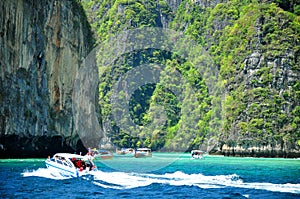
{"x":92,"y":166}
{"x":49,"y":158}
{"x":79,"y":163}
{"x":83,"y":165}
{"x":90,"y":159}
{"x":73,"y":160}
{"x":193,"y":154}
{"x":89,"y":151}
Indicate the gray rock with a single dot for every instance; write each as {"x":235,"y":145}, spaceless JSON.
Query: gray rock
{"x":41,"y":45}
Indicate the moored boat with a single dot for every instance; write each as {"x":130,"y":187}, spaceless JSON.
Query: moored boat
{"x":142,"y":152}
{"x":100,"y":153}
{"x":70,"y":165}
{"x":197,"y":154}
{"x":125,"y":151}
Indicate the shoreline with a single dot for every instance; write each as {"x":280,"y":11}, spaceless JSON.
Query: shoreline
{"x":214,"y":154}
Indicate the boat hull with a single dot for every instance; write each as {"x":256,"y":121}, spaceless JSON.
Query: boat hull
{"x":103,"y":154}
{"x":143,"y":153}
{"x":105,"y":157}
{"x":57,"y":169}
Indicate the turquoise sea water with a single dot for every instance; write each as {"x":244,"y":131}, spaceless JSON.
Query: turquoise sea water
{"x":165,"y":175}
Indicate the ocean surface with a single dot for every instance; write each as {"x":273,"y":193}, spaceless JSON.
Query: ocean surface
{"x":165,"y":175}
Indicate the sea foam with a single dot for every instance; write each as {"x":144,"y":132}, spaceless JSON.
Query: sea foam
{"x":43,"y":172}
{"x":124,"y":180}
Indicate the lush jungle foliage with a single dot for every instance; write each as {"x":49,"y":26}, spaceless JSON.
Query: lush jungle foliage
{"x":256,"y":96}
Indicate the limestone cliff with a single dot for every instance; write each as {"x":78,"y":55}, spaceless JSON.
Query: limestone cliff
{"x":255,"y":109}
{"x":259,"y":61}
{"x":255,"y":44}
{"x":41,"y":45}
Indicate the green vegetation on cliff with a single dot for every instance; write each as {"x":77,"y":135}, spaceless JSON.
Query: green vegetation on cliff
{"x":256,"y":100}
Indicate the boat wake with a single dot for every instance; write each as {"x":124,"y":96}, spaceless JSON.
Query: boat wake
{"x":123,"y":180}
{"x":44,"y":173}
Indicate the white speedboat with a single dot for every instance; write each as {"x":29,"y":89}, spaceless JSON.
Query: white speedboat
{"x":142,"y":153}
{"x":70,"y":165}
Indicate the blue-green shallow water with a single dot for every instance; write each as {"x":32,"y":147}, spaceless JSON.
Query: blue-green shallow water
{"x":175,"y":176}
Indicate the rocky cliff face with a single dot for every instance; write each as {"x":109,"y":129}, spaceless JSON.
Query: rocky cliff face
{"x":41,"y":45}
{"x":262,"y":90}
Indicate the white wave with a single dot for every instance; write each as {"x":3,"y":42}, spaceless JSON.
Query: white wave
{"x":287,"y":188}
{"x":43,"y":172}
{"x":122,"y":180}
